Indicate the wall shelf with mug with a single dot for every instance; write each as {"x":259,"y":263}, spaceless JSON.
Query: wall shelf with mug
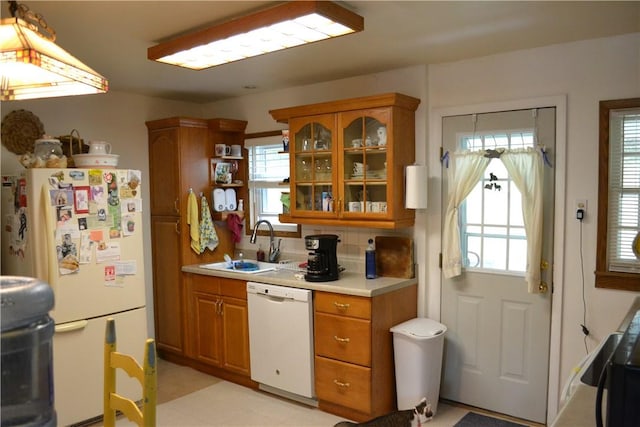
{"x":228,"y":169}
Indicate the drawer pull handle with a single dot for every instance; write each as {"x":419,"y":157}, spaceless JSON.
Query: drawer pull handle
{"x":341,"y":384}
{"x":341,"y":306}
{"x":337,"y":338}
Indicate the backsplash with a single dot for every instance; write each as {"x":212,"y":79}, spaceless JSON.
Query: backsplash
{"x":351,"y":248}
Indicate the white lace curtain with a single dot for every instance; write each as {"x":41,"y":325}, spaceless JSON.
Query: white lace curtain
{"x":525,"y":166}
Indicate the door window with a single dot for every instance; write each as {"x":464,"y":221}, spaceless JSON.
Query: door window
{"x":492,"y":227}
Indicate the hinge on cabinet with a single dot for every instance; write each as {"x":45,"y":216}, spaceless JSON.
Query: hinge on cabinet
{"x":440,"y":260}
{"x":441,"y":152}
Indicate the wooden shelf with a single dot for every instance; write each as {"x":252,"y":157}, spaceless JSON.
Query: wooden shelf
{"x":222,"y":216}
{"x":232,"y":185}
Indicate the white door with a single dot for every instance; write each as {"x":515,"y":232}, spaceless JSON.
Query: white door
{"x":497,"y":343}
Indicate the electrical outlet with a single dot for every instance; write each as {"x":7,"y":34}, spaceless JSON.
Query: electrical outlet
{"x":581,"y":204}
{"x":581,"y":209}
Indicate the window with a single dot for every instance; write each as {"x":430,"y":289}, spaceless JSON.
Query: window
{"x":492,"y":226}
{"x":618,"y":254}
{"x":268,"y":167}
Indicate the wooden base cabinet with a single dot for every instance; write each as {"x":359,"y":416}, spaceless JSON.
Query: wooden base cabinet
{"x":218,"y":324}
{"x":354,"y":368}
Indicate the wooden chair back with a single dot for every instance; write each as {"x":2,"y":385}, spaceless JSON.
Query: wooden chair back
{"x":145,"y":415}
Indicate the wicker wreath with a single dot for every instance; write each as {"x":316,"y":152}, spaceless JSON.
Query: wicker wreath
{"x":20,"y":129}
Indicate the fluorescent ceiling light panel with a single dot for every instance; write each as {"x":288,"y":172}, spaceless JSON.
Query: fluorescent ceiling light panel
{"x":280,"y":27}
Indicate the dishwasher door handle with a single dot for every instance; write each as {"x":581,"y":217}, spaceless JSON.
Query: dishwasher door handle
{"x":274,"y":298}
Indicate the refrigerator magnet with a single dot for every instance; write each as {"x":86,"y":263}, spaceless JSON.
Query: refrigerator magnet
{"x":81,"y":199}
{"x":128,"y":224}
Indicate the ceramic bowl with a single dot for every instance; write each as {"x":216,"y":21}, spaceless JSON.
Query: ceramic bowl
{"x":104,"y":161}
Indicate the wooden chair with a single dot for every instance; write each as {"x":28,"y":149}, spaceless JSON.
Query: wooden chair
{"x":147,"y":376}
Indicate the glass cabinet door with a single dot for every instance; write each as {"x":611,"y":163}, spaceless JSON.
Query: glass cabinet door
{"x":364,"y":152}
{"x":313,"y":163}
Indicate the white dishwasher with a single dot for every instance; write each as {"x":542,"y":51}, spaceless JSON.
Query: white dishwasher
{"x":281,"y":339}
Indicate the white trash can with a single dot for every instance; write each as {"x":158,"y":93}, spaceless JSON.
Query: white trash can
{"x":417,"y":347}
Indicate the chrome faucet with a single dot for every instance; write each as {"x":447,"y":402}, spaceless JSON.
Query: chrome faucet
{"x":274,"y":252}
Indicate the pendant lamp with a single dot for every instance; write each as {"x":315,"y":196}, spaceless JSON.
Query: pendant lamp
{"x":33,"y":66}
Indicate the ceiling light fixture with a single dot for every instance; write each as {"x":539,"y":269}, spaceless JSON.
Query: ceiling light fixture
{"x":33,"y":66}
{"x":280,"y":27}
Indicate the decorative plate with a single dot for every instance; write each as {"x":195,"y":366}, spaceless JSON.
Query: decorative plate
{"x":20,"y":129}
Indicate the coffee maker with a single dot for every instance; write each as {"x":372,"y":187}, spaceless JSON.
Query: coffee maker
{"x":322,"y":264}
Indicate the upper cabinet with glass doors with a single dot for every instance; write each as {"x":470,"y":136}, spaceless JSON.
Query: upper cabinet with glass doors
{"x":347,"y":160}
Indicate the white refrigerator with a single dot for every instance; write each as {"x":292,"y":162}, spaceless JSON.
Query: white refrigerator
{"x":80,"y":230}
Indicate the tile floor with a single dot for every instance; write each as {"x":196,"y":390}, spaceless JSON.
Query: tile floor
{"x":189,"y":398}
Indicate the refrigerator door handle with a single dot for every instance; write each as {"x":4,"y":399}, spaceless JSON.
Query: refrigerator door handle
{"x":71,"y":326}
{"x":52,"y":257}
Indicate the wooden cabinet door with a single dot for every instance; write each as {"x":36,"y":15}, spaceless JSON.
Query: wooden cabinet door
{"x":313,"y":166}
{"x":207,"y":322}
{"x":367,"y":163}
{"x":167,"y":292}
{"x":235,"y":335}
{"x":164,"y":171}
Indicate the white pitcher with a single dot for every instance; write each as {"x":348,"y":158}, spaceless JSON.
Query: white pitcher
{"x":99,"y":147}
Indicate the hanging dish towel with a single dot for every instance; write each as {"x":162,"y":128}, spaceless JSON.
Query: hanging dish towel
{"x":234,"y":223}
{"x":208,"y":236}
{"x":193,"y":222}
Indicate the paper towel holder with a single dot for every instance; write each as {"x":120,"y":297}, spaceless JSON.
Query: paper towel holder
{"x":416,"y":180}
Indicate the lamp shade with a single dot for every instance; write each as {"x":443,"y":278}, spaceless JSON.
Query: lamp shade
{"x":416,"y":181}
{"x":33,"y":66}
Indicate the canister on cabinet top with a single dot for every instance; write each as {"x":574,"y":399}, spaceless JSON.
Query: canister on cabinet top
{"x":27,"y":352}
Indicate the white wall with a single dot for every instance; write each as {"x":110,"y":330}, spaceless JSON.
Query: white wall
{"x":117,"y":118}
{"x":585,"y":72}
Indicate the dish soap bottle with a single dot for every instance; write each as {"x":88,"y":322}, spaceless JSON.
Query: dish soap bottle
{"x":370,"y":261}
{"x":260,"y":254}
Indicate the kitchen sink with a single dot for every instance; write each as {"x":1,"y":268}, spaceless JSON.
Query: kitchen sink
{"x":243,"y":266}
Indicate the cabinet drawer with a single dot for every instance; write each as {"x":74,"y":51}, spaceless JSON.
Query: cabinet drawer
{"x":202,"y":283}
{"x":344,"y":305}
{"x":233,"y":288}
{"x":343,"y":338}
{"x":343,"y":384}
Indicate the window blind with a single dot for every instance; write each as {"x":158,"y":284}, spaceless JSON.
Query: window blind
{"x":267,"y":165}
{"x":623,"y":223}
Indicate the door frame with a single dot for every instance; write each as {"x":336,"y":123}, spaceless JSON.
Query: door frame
{"x":435,"y":212}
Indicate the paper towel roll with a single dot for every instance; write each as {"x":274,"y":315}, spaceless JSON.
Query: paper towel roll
{"x":416,"y":187}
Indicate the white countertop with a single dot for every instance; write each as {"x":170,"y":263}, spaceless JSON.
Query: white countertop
{"x":580,"y":409}
{"x":349,"y":283}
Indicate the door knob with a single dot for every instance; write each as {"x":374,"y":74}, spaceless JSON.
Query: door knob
{"x":543,"y":288}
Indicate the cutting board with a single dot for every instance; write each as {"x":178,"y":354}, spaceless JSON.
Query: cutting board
{"x":394,"y":257}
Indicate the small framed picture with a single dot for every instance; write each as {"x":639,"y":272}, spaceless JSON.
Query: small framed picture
{"x":63,"y":214}
{"x":81,"y":199}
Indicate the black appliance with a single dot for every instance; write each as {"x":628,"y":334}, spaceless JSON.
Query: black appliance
{"x":322,"y":264}
{"x":621,"y":378}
